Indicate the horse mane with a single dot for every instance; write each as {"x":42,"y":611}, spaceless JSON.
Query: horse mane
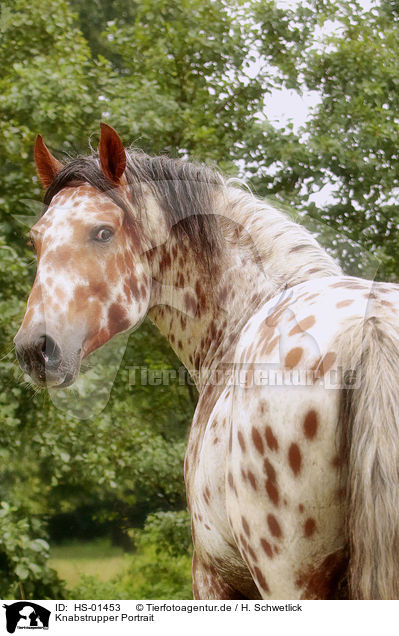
{"x":287,"y":251}
{"x":201,"y":205}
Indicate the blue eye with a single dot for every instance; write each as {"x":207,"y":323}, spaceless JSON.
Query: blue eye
{"x":104,"y":235}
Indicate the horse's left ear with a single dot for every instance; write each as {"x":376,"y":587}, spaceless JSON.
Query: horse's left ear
{"x":112,"y":154}
{"x":47,"y":166}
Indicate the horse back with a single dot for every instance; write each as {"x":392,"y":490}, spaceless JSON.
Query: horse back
{"x":268,"y":481}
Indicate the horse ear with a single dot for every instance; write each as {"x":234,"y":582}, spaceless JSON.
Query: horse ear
{"x":112,"y":154}
{"x":47,"y":165}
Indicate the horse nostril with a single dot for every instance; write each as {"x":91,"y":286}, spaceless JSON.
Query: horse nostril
{"x":49,"y":350}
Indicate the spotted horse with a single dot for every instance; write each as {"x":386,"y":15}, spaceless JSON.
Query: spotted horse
{"x":292,"y":462}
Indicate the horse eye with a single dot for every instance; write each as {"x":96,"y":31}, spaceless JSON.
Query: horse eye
{"x":103,"y":235}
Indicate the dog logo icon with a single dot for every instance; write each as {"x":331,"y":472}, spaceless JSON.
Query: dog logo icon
{"x":26,"y":615}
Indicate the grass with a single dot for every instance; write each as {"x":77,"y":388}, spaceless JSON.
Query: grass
{"x":92,"y":558}
{"x":97,"y":570}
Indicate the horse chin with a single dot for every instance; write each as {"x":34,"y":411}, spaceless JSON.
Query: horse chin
{"x":51,"y":380}
{"x":66,"y":374}
{"x":68,"y":380}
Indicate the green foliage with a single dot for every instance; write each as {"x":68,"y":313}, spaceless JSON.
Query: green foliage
{"x":183,"y":69}
{"x":159,"y":568}
{"x":149,"y":576}
{"x":121,"y":459}
{"x":46,"y":85}
{"x":169,"y":532}
{"x":350,"y":141}
{"x":23,"y":560}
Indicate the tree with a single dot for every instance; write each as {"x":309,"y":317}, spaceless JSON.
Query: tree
{"x":180,"y":82}
{"x":44,"y":86}
{"x":176,"y":78}
{"x":350,"y":141}
{"x":59,"y":78}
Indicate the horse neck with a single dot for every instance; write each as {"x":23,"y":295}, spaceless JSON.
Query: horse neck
{"x":201,"y":308}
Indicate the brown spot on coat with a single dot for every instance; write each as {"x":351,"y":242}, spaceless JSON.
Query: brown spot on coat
{"x":271,"y":483}
{"x":269,"y":470}
{"x":293,"y":357}
{"x":117,"y":319}
{"x":252,"y":480}
{"x":60,"y":294}
{"x":241,"y":441}
{"x":81,"y":295}
{"x":303,"y":325}
{"x":295,"y":459}
{"x":245,"y":526}
{"x":274,"y":526}
{"x":348,"y":285}
{"x":267,"y":548}
{"x":310,"y":424}
{"x":272,"y":491}
{"x":267,"y":349}
{"x":257,"y":440}
{"x":344,"y":303}
{"x":271,"y":440}
{"x":61,"y":256}
{"x":97,"y":341}
{"x":261,"y":579}
{"x":309,"y":527}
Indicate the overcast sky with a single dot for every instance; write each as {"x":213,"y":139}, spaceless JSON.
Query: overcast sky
{"x":286,"y":105}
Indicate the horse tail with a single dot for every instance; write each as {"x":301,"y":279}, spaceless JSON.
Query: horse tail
{"x":369,"y":427}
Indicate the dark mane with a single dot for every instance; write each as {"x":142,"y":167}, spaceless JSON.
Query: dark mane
{"x":185,"y":192}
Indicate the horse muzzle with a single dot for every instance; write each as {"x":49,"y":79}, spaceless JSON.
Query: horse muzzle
{"x":41,"y":357}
